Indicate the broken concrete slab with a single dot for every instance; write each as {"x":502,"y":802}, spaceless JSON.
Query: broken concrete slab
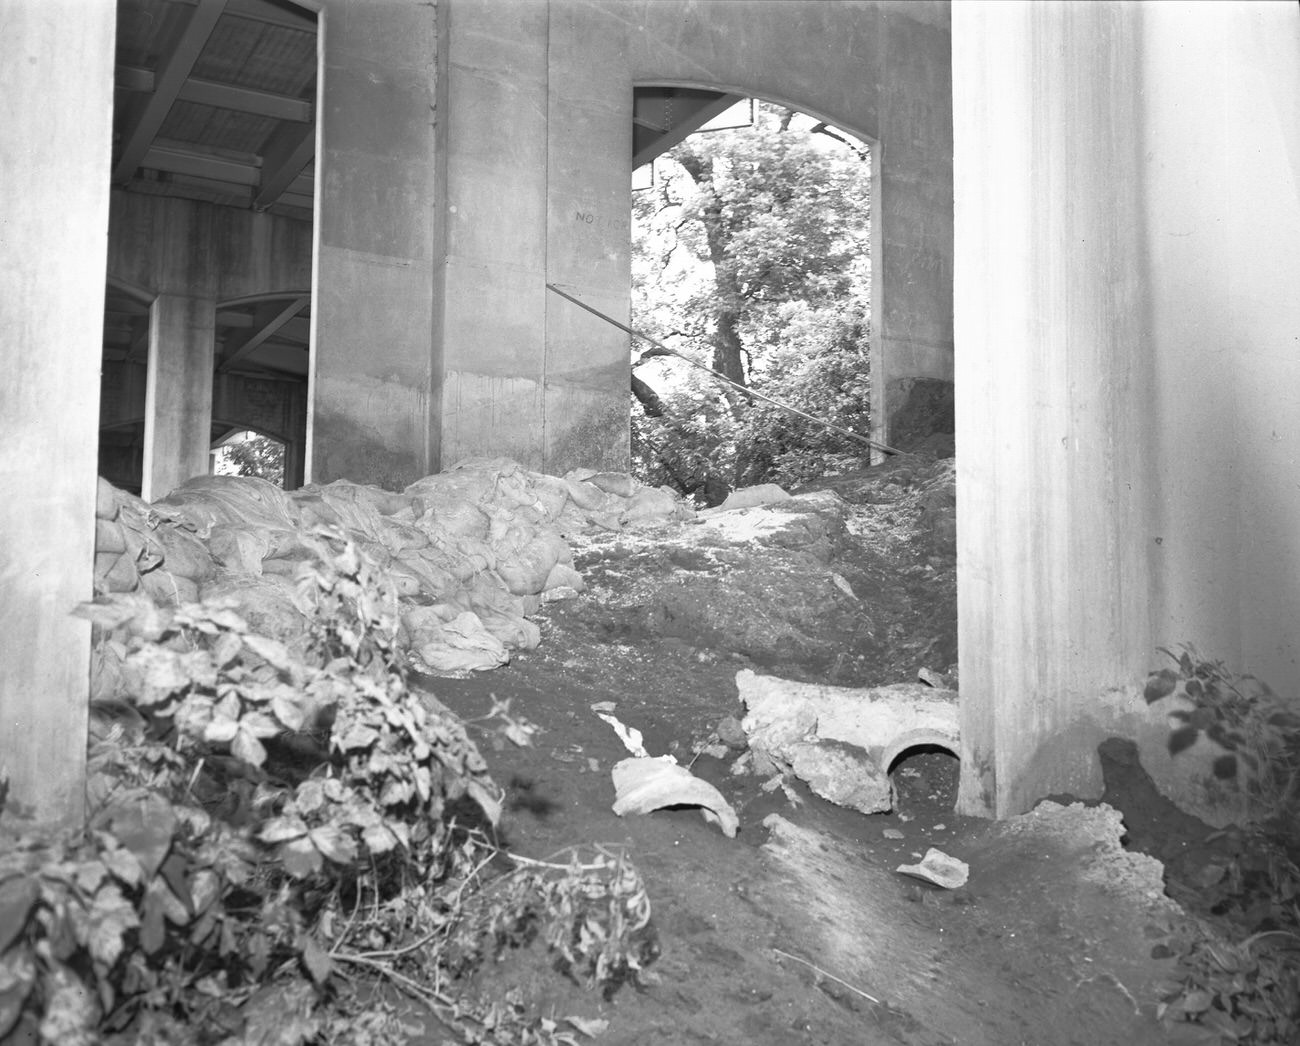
{"x":643,"y":784}
{"x":841,"y":741}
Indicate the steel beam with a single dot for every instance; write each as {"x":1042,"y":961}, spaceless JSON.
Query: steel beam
{"x":284,"y":156}
{"x":171,"y":77}
{"x":276,"y":319}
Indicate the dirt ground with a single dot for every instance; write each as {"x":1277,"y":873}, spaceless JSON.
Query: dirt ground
{"x":800,"y":929}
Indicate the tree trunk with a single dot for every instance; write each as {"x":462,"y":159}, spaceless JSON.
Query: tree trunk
{"x":647,"y":397}
{"x":728,"y":358}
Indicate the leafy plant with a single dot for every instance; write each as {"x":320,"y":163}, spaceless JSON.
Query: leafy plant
{"x":1236,"y":969}
{"x":594,"y":917}
{"x":250,"y":454}
{"x":1246,"y":991}
{"x":272,"y":829}
{"x":1259,"y":731}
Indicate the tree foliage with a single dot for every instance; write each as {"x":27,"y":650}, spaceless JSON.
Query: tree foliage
{"x":259,"y":456}
{"x":751,"y":258}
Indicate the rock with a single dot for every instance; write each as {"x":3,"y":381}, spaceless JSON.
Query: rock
{"x":938,"y":868}
{"x":732,"y":734}
{"x":843,"y":774}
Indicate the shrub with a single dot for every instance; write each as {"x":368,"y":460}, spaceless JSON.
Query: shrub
{"x":1236,"y":972}
{"x":273,"y":830}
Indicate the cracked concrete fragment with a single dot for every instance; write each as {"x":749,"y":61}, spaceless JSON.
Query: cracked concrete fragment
{"x":842,"y":741}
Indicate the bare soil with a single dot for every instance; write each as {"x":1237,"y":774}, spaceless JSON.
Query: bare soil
{"x":800,"y":929}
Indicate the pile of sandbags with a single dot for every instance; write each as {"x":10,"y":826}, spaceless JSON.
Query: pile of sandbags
{"x":472,"y":552}
{"x":132,"y":543}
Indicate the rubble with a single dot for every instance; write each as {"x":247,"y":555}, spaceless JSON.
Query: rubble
{"x":841,"y":741}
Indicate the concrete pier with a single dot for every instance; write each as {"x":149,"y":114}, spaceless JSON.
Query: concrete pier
{"x":54,"y":166}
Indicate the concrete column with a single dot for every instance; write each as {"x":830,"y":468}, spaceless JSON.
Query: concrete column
{"x":494,"y":306}
{"x":372,"y":314}
{"x":586,"y":379}
{"x":1223,"y":247}
{"x":911,"y":215}
{"x":178,"y":393}
{"x":55,"y":144}
{"x":1053,"y":384}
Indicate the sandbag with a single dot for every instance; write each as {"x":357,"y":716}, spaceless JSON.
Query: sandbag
{"x":462,"y":645}
{"x":265,"y":602}
{"x":653,"y":504}
{"x":618,"y":483}
{"x":205,"y":501}
{"x":587,"y":496}
{"x":116,"y":572}
{"x":168,"y":589}
{"x":454,"y":515}
{"x":551,"y":493}
{"x":182,"y":553}
{"x":108,"y":536}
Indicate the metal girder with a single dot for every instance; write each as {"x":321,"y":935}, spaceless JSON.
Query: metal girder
{"x":139,"y":347}
{"x":138,"y":137}
{"x":671,"y":117}
{"x":274,"y":317}
{"x":176,"y":158}
{"x":271,"y":14}
{"x":222,"y":96}
{"x":246,"y":100}
{"x":284,"y":156}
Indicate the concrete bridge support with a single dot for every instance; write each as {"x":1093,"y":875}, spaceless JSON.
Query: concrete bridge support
{"x":188,"y":258}
{"x":1126,"y":374}
{"x":178,"y":392}
{"x":57,"y":78}
{"x":373,"y":366}
{"x":538,"y":192}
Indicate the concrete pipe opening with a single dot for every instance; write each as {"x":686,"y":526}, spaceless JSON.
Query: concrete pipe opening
{"x":923,"y":778}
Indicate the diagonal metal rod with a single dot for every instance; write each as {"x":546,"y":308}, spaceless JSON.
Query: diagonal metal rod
{"x":666,"y":350}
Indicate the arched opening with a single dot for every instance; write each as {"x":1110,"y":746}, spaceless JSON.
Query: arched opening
{"x":923,"y":778}
{"x":247,"y":452}
{"x":751,"y":270}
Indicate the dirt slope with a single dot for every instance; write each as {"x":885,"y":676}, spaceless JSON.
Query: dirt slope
{"x":800,"y":930}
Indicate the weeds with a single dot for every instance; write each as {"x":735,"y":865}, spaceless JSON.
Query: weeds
{"x":274,"y":830}
{"x":1237,"y":972}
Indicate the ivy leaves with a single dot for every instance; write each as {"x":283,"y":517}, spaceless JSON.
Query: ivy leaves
{"x":272,"y":806}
